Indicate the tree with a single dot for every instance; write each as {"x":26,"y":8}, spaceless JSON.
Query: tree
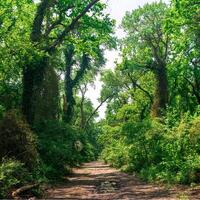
{"x":127,"y":89}
{"x":15,"y":27}
{"x":146,"y":47}
{"x":52,"y":23}
{"x":182,"y":23}
{"x":84,"y":54}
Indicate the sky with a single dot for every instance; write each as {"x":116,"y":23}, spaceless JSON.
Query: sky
{"x":117,"y":9}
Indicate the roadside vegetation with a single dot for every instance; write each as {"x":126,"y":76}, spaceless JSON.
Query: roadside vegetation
{"x":52,"y":52}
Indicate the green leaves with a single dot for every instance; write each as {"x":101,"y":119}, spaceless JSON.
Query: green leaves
{"x":164,"y":149}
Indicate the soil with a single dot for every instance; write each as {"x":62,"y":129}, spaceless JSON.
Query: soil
{"x":99,"y":181}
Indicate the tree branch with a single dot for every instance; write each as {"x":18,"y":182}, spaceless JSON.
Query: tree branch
{"x":139,"y":87}
{"x":97,"y":108}
{"x":71,"y":26}
{"x":194,"y":89}
{"x":84,"y":65}
{"x":38,"y":20}
{"x":16,"y":193}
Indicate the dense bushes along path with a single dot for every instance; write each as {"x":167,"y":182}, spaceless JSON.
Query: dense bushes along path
{"x":97,"y":180}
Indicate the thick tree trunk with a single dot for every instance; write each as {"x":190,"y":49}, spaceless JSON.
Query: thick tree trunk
{"x":70,"y":83}
{"x":40,"y":92}
{"x":161,"y":93}
{"x":32,"y":78}
{"x":69,"y":101}
{"x":33,"y":74}
{"x":46,"y":104}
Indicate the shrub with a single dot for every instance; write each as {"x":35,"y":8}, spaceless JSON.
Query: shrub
{"x":12,"y":174}
{"x":116,"y":154}
{"x":17,"y":139}
{"x":157,"y":151}
{"x":58,"y":147}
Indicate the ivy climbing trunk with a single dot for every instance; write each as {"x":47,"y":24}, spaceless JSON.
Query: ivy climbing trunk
{"x":161,"y":92}
{"x":69,"y":99}
{"x":27,"y":94}
{"x":40,"y":91}
{"x":70,"y":102}
{"x":32,"y":79}
{"x":34,"y":73}
{"x":46,"y":104}
{"x":71,"y":84}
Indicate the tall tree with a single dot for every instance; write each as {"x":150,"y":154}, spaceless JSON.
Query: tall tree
{"x":53,"y":21}
{"x":146,"y":47}
{"x":84,"y":53}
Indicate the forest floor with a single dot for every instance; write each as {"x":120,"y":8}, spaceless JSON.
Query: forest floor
{"x":98,"y":181}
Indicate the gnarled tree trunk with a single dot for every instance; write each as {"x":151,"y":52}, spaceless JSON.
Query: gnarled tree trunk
{"x":70,"y":83}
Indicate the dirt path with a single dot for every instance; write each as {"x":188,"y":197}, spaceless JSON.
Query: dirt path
{"x":97,"y":181}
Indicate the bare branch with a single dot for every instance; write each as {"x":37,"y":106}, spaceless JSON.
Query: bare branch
{"x":97,"y":108}
{"x":139,"y":87}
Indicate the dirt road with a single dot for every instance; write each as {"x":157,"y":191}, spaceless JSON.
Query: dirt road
{"x":98,"y":181}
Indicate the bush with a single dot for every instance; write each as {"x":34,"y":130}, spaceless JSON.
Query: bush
{"x":156,"y":150}
{"x":17,"y":139}
{"x":12,"y":174}
{"x":60,"y":147}
{"x":118,"y":159}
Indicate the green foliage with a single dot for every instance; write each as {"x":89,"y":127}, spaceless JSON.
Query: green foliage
{"x":15,"y":25}
{"x":17,"y":139}
{"x":31,"y":66}
{"x":34,"y":68}
{"x":182,"y":22}
{"x":166,"y":148}
{"x":160,"y":55}
{"x":156,"y":151}
{"x":12,"y":174}
{"x":61,"y":147}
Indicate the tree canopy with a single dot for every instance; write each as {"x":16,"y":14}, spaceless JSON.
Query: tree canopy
{"x":53,"y":51}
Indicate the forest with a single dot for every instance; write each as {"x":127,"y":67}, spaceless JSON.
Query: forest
{"x":52,"y":51}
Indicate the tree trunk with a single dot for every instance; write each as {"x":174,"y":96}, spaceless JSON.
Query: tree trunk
{"x":161,"y":92}
{"x":40,"y":92}
{"x":32,"y":78}
{"x":46,"y":104}
{"x":33,"y":74}
{"x":70,"y":102}
{"x":82,"y":122}
{"x":27,"y":94}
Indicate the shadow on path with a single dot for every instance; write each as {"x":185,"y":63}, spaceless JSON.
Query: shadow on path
{"x":97,"y":181}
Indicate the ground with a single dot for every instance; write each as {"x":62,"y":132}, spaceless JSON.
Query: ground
{"x":99,"y":181}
